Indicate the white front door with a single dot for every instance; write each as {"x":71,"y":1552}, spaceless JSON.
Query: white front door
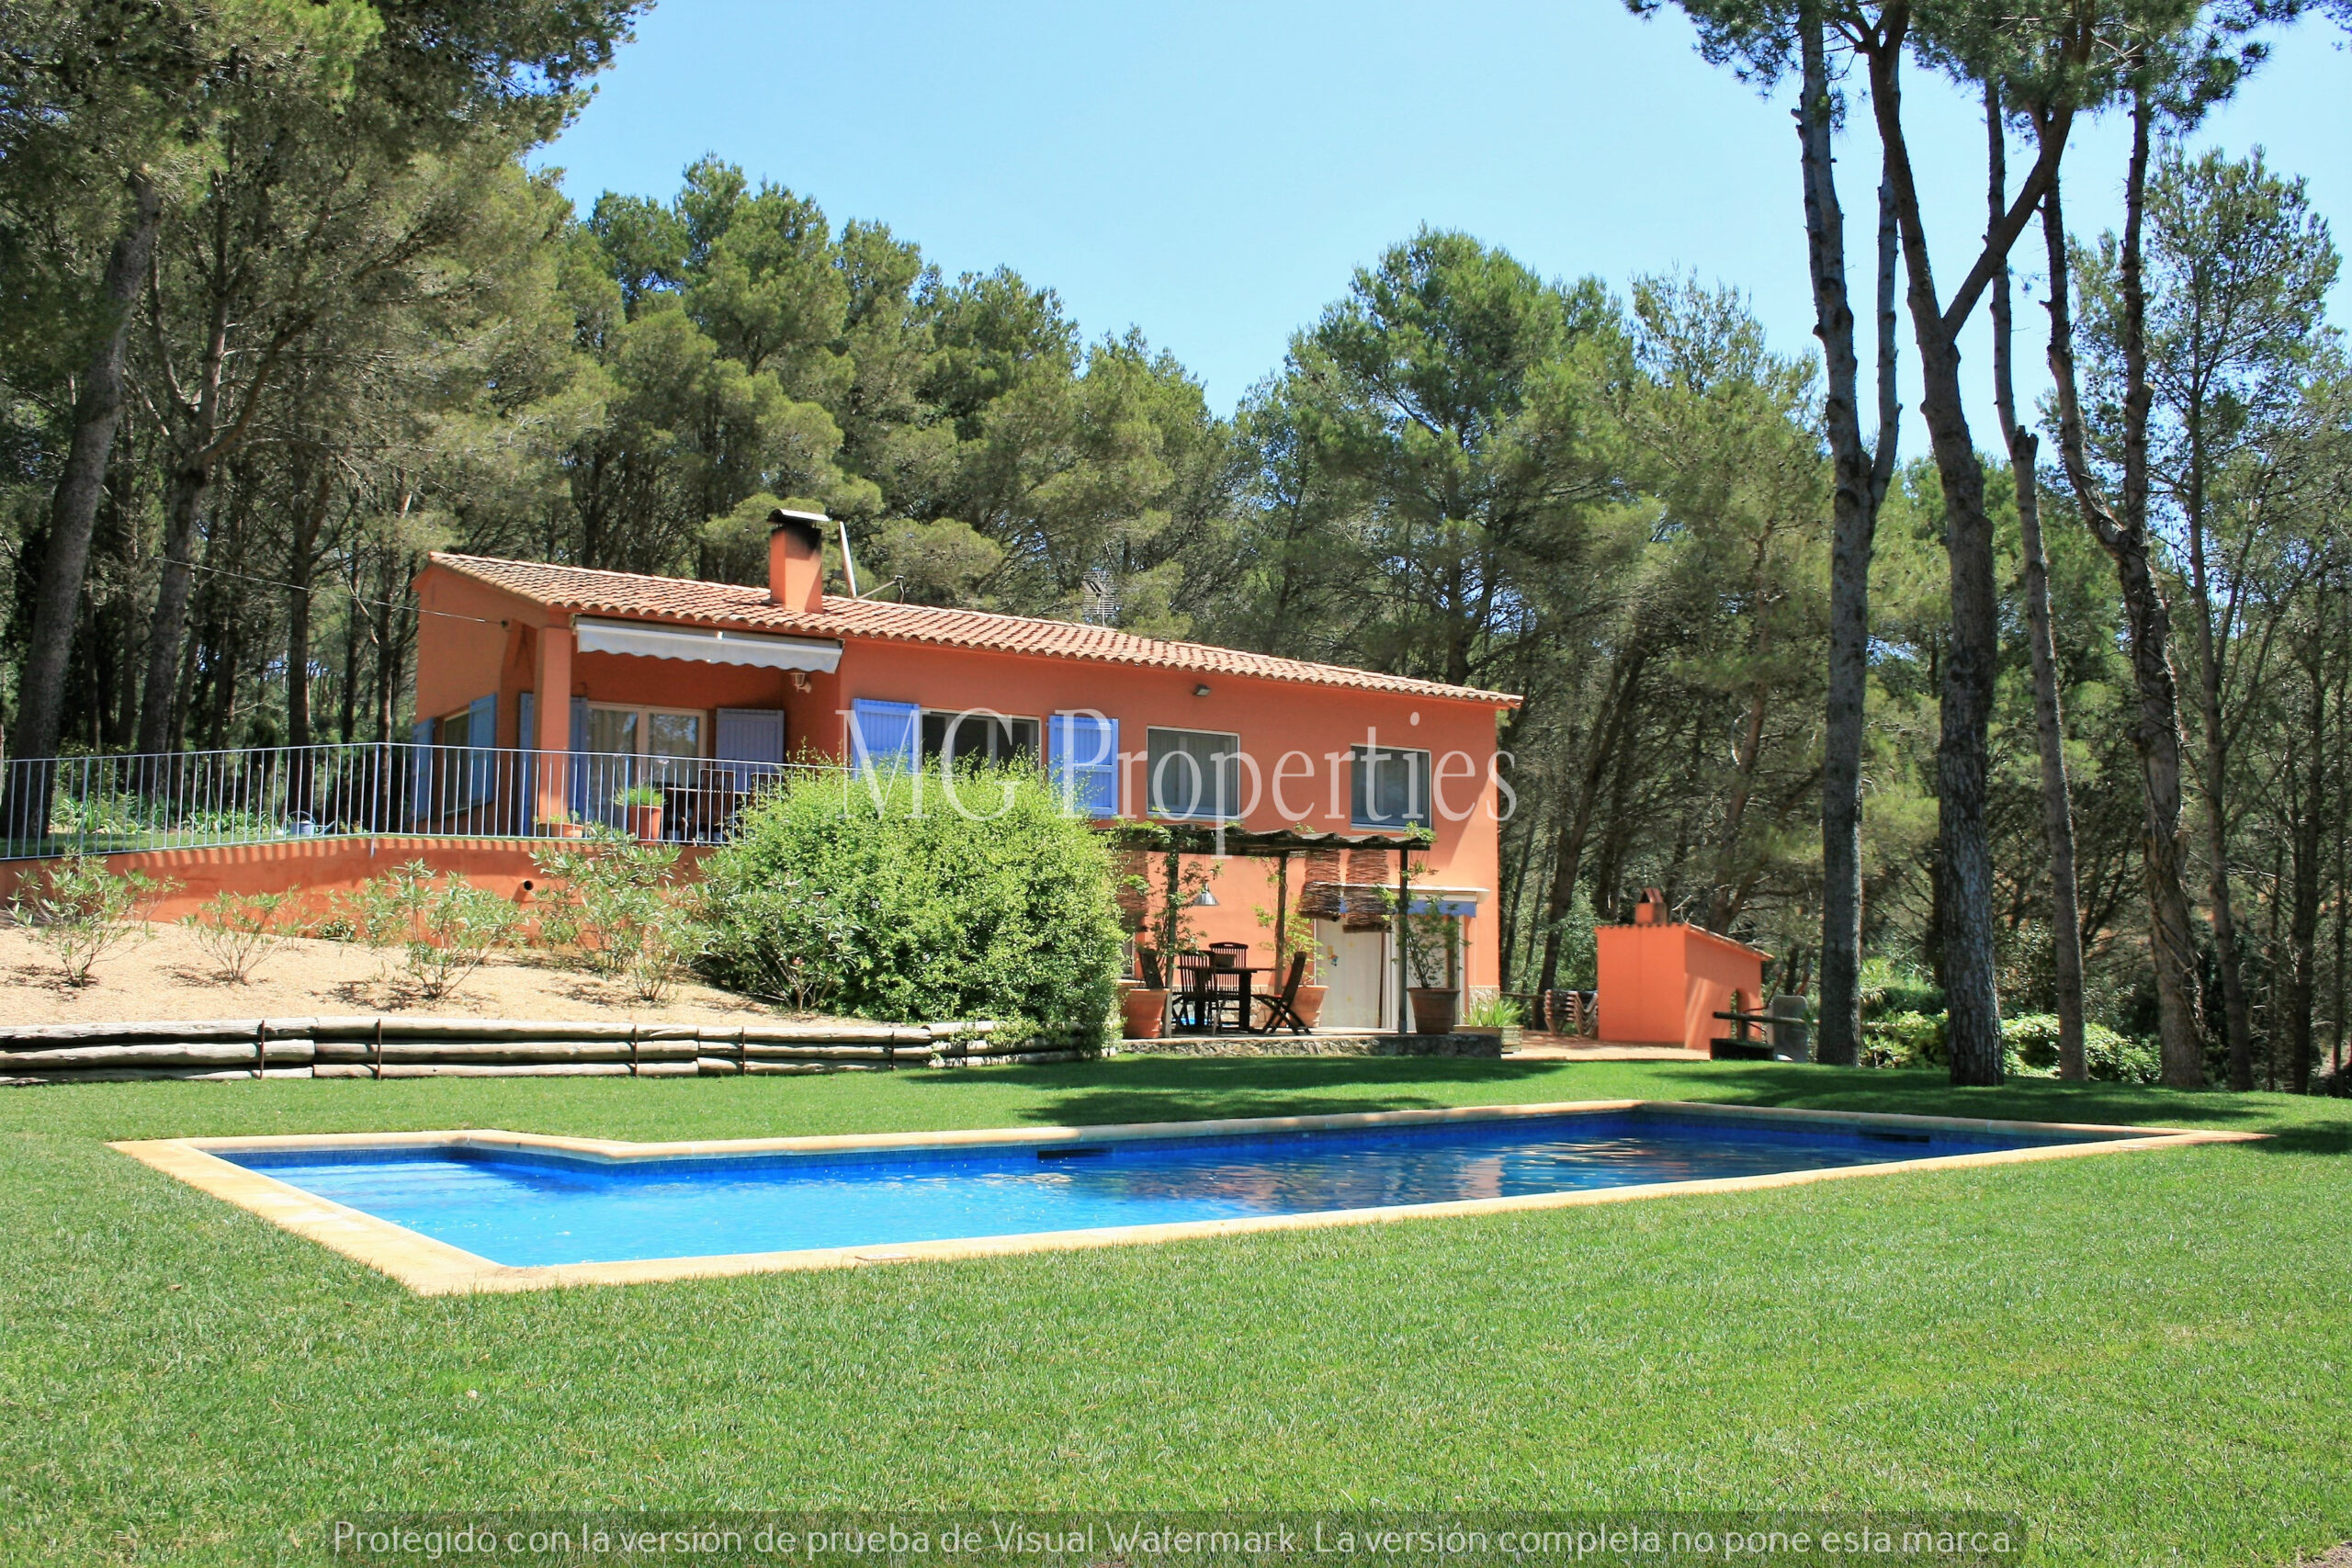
{"x":1355,"y":967}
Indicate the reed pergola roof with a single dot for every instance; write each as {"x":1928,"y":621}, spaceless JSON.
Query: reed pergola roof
{"x":1209,"y":838}
{"x":1279,"y":844}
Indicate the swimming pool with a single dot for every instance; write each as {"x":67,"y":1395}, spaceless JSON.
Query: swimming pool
{"x":499,"y":1207}
{"x":525,"y":1208}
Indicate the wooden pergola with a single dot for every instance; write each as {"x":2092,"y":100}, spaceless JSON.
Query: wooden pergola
{"x":1217,"y":841}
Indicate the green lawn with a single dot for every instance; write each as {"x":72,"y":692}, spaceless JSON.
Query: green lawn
{"x":2145,"y":1355}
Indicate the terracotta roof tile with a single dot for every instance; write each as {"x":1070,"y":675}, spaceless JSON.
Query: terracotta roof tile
{"x":687,"y":600}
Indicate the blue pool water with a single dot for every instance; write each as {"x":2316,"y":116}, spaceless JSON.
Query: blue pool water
{"x":537,"y":1207}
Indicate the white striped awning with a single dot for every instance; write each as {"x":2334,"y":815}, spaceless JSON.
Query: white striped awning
{"x":762,"y":650}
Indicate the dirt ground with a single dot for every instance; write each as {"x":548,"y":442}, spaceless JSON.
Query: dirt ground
{"x":167,"y":975}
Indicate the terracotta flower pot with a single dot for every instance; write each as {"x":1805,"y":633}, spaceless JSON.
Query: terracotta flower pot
{"x":1433,"y":1009}
{"x":567,"y":829}
{"x":1145,"y":1013}
{"x":1310,"y":1003}
{"x":644,"y":823}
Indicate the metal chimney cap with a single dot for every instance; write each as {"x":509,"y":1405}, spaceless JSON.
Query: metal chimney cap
{"x":783,"y":516}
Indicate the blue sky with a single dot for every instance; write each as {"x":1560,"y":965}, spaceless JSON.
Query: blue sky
{"x":1212,"y":172}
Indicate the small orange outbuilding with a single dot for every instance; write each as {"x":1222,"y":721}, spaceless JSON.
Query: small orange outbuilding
{"x":1662,"y":985}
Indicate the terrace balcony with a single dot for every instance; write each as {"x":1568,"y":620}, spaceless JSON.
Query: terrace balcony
{"x":113,"y":805}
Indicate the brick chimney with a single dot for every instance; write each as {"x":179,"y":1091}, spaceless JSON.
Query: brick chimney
{"x":797,"y":559}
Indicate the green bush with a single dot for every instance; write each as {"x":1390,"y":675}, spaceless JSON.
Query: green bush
{"x":1889,"y":990}
{"x":1905,"y":1040}
{"x":880,"y":898}
{"x":2031,"y":1043}
{"x":81,"y":911}
{"x":2131,"y":1061}
{"x":238,"y":931}
{"x":444,"y":925}
{"x":619,"y":905}
{"x":2029,"y":1047}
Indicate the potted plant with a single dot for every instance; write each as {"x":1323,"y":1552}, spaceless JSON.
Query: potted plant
{"x":641,"y":810}
{"x":1143,"y":1004}
{"x":557,"y":823}
{"x":1494,"y":1013}
{"x":1433,"y":1009}
{"x":1432,"y":953}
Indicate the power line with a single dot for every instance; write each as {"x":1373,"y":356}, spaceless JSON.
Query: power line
{"x":335,"y":587}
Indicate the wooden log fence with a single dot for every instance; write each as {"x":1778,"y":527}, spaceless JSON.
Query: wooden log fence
{"x":379,"y":1047}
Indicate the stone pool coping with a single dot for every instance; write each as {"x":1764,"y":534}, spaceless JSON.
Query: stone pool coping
{"x":433,"y":1267}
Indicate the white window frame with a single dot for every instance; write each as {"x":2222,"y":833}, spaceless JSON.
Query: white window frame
{"x":1356,"y":757}
{"x":980,"y":715}
{"x":1151,"y":780}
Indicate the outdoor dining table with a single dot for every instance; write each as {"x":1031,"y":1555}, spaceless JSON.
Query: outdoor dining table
{"x":1218,"y":994}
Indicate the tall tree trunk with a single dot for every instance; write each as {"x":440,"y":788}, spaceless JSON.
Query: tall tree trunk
{"x":230,"y":654}
{"x":2270,"y":956}
{"x":1972,"y":998}
{"x":2343,"y":894}
{"x":347,"y":698}
{"x":2057,"y":808}
{"x":2303,"y":931}
{"x":193,"y":453}
{"x":185,"y":492}
{"x":1727,"y":892}
{"x":1617,"y":841}
{"x":387,"y":672}
{"x":2343,"y":856}
{"x":204,"y":432}
{"x":72,"y":515}
{"x":2222,"y":910}
{"x":309,"y":516}
{"x":2122,"y":530}
{"x":1861,"y":484}
{"x":2308,"y":837}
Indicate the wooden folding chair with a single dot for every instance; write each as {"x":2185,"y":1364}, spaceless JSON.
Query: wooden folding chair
{"x":1283,"y":1009}
{"x":1192,"y":993}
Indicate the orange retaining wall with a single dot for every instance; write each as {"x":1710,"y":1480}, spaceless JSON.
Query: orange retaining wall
{"x":1663,"y":985}
{"x":321,"y":868}
{"x":316,"y":868}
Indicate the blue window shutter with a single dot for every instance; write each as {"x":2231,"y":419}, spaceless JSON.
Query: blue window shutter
{"x":481,"y":757}
{"x":420,"y":776}
{"x":749,"y":735}
{"x":1082,"y":757}
{"x":580,"y":759}
{"x":882,"y":735}
{"x":527,"y":771}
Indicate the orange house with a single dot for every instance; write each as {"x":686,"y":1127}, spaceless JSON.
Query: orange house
{"x":598,"y":679}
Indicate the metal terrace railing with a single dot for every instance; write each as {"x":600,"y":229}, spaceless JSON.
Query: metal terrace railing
{"x":100,"y":805}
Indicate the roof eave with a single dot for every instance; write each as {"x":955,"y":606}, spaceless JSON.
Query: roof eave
{"x":808,"y":624}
